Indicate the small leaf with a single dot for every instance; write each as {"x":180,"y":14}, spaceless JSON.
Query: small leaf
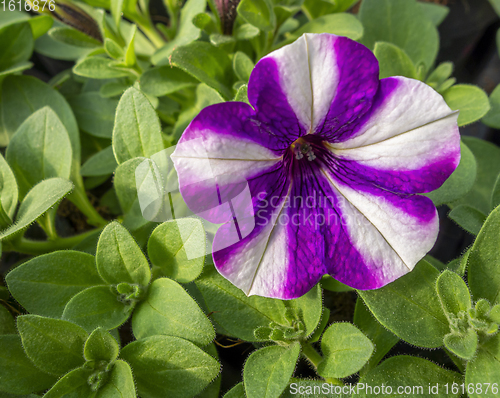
{"x":259,"y":13}
{"x":130,"y":58}
{"x":102,"y":163}
{"x":393,"y":61}
{"x":483,"y":270}
{"x":463,"y":346}
{"x":120,"y":382}
{"x":73,"y":383}
{"x":116,"y":7}
{"x":169,"y":310}
{"x":54,"y":345}
{"x":167,"y":366}
{"x":137,"y":129}
{"x":18,"y":375}
{"x":113,"y":49}
{"x":8,"y":192}
{"x":471,"y":101}
{"x":119,"y":258}
{"x":242,"y":65}
{"x":164,"y":80}
{"x":242,"y":94}
{"x":346,"y":350}
{"x":95,"y":114}
{"x":308,"y":309}
{"x":41,"y":198}
{"x":95,"y":307}
{"x":178,"y":248}
{"x":238,"y":391}
{"x":39,"y":150}
{"x":453,"y":293}
{"x":46,"y":283}
{"x":73,"y":37}
{"x":440,"y":74}
{"x":411,"y":298}
{"x":207,"y":63}
{"x":468,"y":218}
{"x":460,"y":182}
{"x":96,"y":67}
{"x":100,"y":346}
{"x":268,"y":370}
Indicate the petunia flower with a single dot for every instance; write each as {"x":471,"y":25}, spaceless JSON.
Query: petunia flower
{"x":334,"y":159}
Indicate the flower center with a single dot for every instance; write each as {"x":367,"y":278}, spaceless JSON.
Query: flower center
{"x":301,"y":148}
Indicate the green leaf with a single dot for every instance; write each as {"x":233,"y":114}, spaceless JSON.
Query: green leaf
{"x":345,"y":349}
{"x":177,"y":247}
{"x":242,"y":65}
{"x":137,"y":129}
{"x":417,"y":373}
{"x":72,"y":384}
{"x":119,"y":258}
{"x":95,"y":114}
{"x":463,"y":346}
{"x":245,"y":32}
{"x":120,"y":383}
{"x":382,"y":339}
{"x":207,"y":63}
{"x":8,"y":192}
{"x":169,"y":366}
{"x":453,"y":293}
{"x":403,"y":23}
{"x":169,"y":310}
{"x":440,"y":74}
{"x":460,"y":182}
{"x":471,"y":101}
{"x":308,"y":308}
{"x":7,"y":325}
{"x":242,"y":94}
{"x":238,"y":391}
{"x":268,"y":370}
{"x":102,"y":163}
{"x":16,"y":45}
{"x":259,"y":13}
{"x":113,"y":49}
{"x":435,"y":12}
{"x":96,"y":67}
{"x":329,"y":283}
{"x":73,"y":37}
{"x":40,"y":25}
{"x":130,"y":57}
{"x":325,"y":317}
{"x":40,"y":199}
{"x":411,"y":299}
{"x":393,"y":61}
{"x":495,"y":194}
{"x":46,"y":283}
{"x":26,"y":95}
{"x":483,"y":270}
{"x":468,"y":218}
{"x":484,"y":368}
{"x":492,"y":118}
{"x":163,"y":80}
{"x":39,"y":150}
{"x":16,"y":68}
{"x":186,"y":34}
{"x":18,"y":375}
{"x":338,"y":24}
{"x":97,"y":306}
{"x":101,"y":346}
{"x":234,"y":311}
{"x":54,"y":345}
{"x":113,"y":89}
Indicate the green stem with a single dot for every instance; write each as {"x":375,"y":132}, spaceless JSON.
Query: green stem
{"x":48,"y":224}
{"x":79,"y":198}
{"x":148,"y":29}
{"x":35,"y":248}
{"x":315,"y":358}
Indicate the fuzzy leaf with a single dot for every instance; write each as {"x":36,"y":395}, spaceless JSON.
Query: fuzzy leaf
{"x":96,"y":67}
{"x":484,"y":368}
{"x":164,"y":80}
{"x":101,"y":346}
{"x":463,"y":346}
{"x":453,"y":293}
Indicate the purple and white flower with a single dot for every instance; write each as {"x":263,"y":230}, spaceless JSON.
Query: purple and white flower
{"x":320,"y":124}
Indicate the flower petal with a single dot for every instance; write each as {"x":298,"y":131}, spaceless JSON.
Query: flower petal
{"x":409,"y":142}
{"x":321,"y":83}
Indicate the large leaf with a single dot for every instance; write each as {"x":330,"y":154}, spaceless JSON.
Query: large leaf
{"x":483,"y":260}
{"x":18,"y":375}
{"x":268,"y":370}
{"x":137,"y":129}
{"x":102,"y":163}
{"x":169,"y":310}
{"x":46,"y":283}
{"x":38,"y":201}
{"x":167,"y":366}
{"x":485,"y":368}
{"x":471,"y":101}
{"x":54,"y":345}
{"x":400,"y":22}
{"x":411,"y":299}
{"x":95,"y":114}
{"x":39,"y":150}
{"x":23,"y":95}
{"x":16,"y":45}
{"x":164,"y":80}
{"x":393,"y":61}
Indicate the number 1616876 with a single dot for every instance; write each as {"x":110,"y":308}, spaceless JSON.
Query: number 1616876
{"x":35,"y":5}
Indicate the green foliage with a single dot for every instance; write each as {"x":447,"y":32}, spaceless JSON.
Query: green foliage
{"x":471,"y":101}
{"x":393,"y":61}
